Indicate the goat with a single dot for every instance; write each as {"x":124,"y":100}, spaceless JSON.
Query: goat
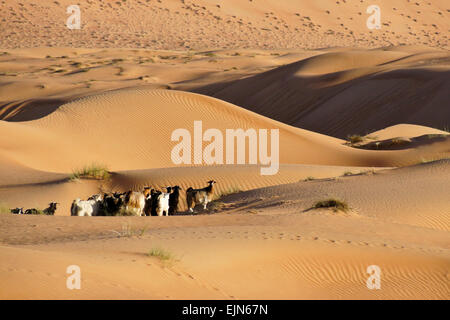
{"x":162,"y":204}
{"x":147,"y":192}
{"x":154,"y":201}
{"x":135,"y":202}
{"x":112,"y":202}
{"x":50,"y":211}
{"x":148,"y":201}
{"x":199,"y":196}
{"x":16,"y":211}
{"x":86,"y":208}
{"x":174,"y":199}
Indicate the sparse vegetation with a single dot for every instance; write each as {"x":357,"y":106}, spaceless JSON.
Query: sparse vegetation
{"x":4,"y":209}
{"x":354,"y":139}
{"x":432,"y":159}
{"x":215,"y":206}
{"x":128,"y":231}
{"x":161,"y":254}
{"x":367,"y":172}
{"x":399,"y":141}
{"x":93,"y":171}
{"x":436,"y":135}
{"x":332,"y":203}
{"x":38,"y":211}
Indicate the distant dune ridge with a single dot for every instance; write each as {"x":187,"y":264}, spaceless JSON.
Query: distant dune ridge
{"x":349,"y":92}
{"x":361,"y":116}
{"x":216,"y":24}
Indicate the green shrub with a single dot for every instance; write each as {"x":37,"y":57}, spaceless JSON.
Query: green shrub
{"x":161,"y":254}
{"x":354,"y":139}
{"x":335,"y":204}
{"x":93,"y":171}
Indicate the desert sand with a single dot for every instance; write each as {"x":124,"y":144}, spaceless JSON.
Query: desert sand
{"x":113,"y":92}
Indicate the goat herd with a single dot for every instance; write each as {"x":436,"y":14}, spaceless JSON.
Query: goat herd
{"x":149,"y":202}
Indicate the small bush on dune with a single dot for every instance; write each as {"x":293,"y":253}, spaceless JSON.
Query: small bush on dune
{"x":335,"y":204}
{"x":128,"y":231}
{"x":216,"y":206}
{"x":161,"y":254}
{"x":399,"y":141}
{"x":38,"y":212}
{"x":354,"y":139}
{"x":93,"y":171}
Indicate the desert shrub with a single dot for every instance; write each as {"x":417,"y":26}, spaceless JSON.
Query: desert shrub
{"x":92,"y":171}
{"x":355,"y":138}
{"x":335,"y":204}
{"x":161,"y":254}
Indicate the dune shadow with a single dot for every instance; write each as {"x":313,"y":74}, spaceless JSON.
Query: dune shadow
{"x":31,"y":109}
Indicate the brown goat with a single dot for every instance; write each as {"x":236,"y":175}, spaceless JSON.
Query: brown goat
{"x":199,"y":196}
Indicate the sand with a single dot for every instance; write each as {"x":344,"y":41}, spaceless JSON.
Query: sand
{"x":113,"y":92}
{"x":278,"y":247}
{"x":204,"y":24}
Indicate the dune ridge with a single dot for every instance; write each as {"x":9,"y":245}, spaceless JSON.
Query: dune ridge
{"x":345,"y":93}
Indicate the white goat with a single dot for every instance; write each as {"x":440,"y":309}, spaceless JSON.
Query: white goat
{"x":86,"y":208}
{"x":162,"y":204}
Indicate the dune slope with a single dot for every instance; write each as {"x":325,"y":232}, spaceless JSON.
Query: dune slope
{"x":349,"y":92}
{"x":131,"y":129}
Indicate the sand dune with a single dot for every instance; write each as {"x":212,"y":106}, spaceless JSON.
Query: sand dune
{"x":48,"y":187}
{"x":407,"y":131}
{"x":337,"y":92}
{"x":422,"y":203}
{"x":113,"y":92}
{"x":344,"y":93}
{"x":135,"y":144}
{"x":308,"y":254}
{"x":131,"y":138}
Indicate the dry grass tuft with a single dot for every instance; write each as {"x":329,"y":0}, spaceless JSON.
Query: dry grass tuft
{"x":92,"y":171}
{"x":332,"y":203}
